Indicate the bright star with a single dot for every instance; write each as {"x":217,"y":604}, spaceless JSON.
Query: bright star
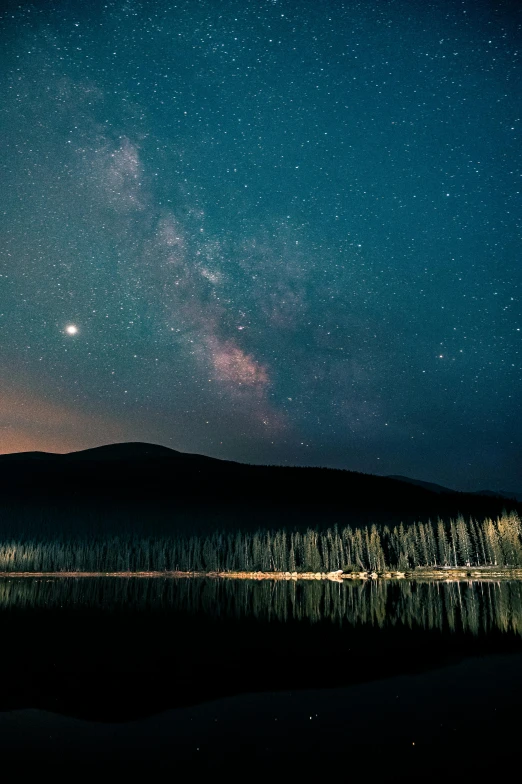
{"x":71,"y":329}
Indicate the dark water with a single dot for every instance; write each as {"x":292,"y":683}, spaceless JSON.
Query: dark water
{"x":199,"y":675}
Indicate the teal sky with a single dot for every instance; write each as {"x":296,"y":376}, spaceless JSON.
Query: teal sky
{"x":284,"y":232}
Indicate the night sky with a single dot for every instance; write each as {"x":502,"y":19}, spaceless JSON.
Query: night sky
{"x":266,"y":230}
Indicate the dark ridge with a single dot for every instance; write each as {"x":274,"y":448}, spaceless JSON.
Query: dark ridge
{"x":156,"y":489}
{"x":512,"y":496}
{"x":501,"y":494}
{"x":20,"y":457}
{"x":130,"y":450}
{"x":427,"y":485}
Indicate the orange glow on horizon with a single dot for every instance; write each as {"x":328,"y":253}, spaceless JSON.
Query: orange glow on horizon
{"x":30,"y":422}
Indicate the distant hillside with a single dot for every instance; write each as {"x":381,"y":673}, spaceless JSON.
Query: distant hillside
{"x":512,"y":496}
{"x":427,"y":485}
{"x":133,"y":450}
{"x":153,"y":488}
{"x":502,"y":493}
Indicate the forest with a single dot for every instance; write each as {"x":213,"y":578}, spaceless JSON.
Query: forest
{"x":457,"y":542}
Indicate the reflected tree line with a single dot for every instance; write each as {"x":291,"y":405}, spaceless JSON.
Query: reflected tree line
{"x":474,"y":607}
{"x":459,"y":542}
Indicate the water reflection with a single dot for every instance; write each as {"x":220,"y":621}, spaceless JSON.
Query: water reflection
{"x":474,"y":607}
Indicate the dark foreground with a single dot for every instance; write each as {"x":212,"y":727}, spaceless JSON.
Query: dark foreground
{"x":462,"y":715}
{"x":192,"y":676}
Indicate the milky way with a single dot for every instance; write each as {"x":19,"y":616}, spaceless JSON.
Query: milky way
{"x":284,"y":232}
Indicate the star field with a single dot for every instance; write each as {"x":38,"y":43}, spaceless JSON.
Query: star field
{"x":272,"y":231}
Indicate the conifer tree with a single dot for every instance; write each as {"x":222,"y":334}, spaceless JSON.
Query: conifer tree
{"x":464,"y":541}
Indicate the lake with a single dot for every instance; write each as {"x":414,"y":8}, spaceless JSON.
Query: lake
{"x":375,"y":677}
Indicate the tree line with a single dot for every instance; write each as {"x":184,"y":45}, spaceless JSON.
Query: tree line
{"x":458,"y":542}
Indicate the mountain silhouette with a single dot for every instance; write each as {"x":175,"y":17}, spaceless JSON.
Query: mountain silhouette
{"x":512,"y":496}
{"x":420,"y":483}
{"x":132,"y":450}
{"x":161,"y":487}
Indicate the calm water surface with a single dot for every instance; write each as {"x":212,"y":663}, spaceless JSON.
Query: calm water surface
{"x":371,"y":678}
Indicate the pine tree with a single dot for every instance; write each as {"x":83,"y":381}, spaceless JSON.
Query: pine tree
{"x":464,"y":539}
{"x":292,"y":567}
{"x":443,"y":544}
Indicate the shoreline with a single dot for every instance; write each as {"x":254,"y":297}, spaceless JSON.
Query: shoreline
{"x":446,"y":574}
